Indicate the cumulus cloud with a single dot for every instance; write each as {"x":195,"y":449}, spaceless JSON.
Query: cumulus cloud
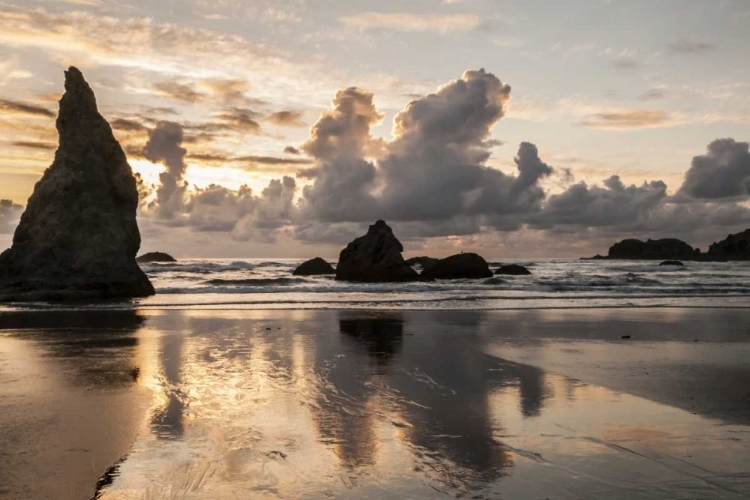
{"x":165,"y":146}
{"x":723,"y":172}
{"x":10,"y":213}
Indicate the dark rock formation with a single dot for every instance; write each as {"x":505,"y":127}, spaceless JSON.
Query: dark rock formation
{"x":375,"y":257}
{"x":595,"y":257}
{"x":313,"y":267}
{"x":423,"y":262}
{"x":664,"y":249}
{"x":78,"y":237}
{"x":155,"y":257}
{"x":733,"y":247}
{"x":459,"y":266}
{"x":512,"y":270}
{"x":672,"y":263}
{"x":494,"y":281}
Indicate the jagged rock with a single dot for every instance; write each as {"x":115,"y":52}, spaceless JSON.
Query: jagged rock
{"x":672,"y":263}
{"x":374,"y":257}
{"x":313,"y":267}
{"x":512,"y":270}
{"x":667,"y":248}
{"x":459,"y":266}
{"x":733,"y":247}
{"x":423,"y":262}
{"x":78,"y":237}
{"x":595,"y":257}
{"x":155,"y":257}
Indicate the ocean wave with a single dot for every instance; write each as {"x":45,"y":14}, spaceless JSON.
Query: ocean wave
{"x":255,"y":282}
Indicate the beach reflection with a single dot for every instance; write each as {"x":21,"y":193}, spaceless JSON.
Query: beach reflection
{"x":376,"y":405}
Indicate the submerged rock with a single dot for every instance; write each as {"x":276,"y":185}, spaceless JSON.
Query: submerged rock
{"x":733,"y":247}
{"x":155,"y":257}
{"x":512,"y":270}
{"x":375,"y":257}
{"x":78,"y":236}
{"x":672,"y":263}
{"x":667,"y":248}
{"x":313,"y":267}
{"x":494,"y":281}
{"x":459,"y":266}
{"x":424,"y":262}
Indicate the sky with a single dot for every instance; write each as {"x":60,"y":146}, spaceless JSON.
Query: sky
{"x":283,"y":128}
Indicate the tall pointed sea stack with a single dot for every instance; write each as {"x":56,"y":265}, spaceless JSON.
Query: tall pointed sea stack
{"x":78,"y":237}
{"x":374,"y":257}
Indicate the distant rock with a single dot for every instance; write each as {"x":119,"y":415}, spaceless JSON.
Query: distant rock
{"x":423,"y":262}
{"x":672,"y":263}
{"x":78,"y":237}
{"x":664,"y":249}
{"x":459,"y":266}
{"x":733,"y":247}
{"x":512,"y":270}
{"x":595,"y":257}
{"x":313,"y":267}
{"x":155,"y":257}
{"x":494,"y":281}
{"x":375,"y":257}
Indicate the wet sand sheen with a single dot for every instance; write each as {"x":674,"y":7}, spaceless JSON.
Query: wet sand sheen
{"x":356,"y":404}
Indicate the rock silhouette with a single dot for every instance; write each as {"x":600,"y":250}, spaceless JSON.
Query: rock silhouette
{"x":672,"y":263}
{"x":155,"y":257}
{"x":374,"y":257}
{"x":733,"y":247}
{"x":512,"y":270}
{"x":313,"y":267}
{"x":78,"y":236}
{"x":459,"y":266}
{"x":424,"y":262}
{"x":663,"y":249}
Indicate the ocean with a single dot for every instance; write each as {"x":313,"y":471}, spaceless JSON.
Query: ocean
{"x":554,"y":283}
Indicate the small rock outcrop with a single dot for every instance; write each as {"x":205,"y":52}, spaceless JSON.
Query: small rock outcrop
{"x":664,"y":249}
{"x":595,"y":257}
{"x":733,"y":247}
{"x":375,"y":257}
{"x":512,"y":270}
{"x":155,"y":257}
{"x":78,"y":236}
{"x":459,"y":266}
{"x":494,"y":281}
{"x":672,"y":263}
{"x":423,"y":262}
{"x":314,"y":267}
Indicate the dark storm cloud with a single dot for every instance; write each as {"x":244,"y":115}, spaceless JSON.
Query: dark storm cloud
{"x":723,"y":172}
{"x":10,"y":213}
{"x":21,"y":108}
{"x":287,"y":118}
{"x":165,"y":146}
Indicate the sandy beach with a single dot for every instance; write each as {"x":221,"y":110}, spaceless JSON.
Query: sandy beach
{"x":376,"y":404}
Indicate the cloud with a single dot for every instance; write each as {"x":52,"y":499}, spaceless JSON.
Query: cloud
{"x":165,"y":145}
{"x":17,"y":108}
{"x":625,"y":120}
{"x":723,"y":172}
{"x":286,"y":118}
{"x":245,"y":120}
{"x":685,"y":46}
{"x":441,"y":23}
{"x":10,"y":213}
{"x":291,"y":150}
{"x":179,"y":91}
{"x":127,"y":125}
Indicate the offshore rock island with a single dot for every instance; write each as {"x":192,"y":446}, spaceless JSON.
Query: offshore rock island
{"x":78,"y":237}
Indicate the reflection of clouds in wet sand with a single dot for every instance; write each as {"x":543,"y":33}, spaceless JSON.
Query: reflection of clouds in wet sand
{"x":386,"y":405}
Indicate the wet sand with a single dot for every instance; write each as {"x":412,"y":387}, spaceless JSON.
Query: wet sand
{"x":377,"y":404}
